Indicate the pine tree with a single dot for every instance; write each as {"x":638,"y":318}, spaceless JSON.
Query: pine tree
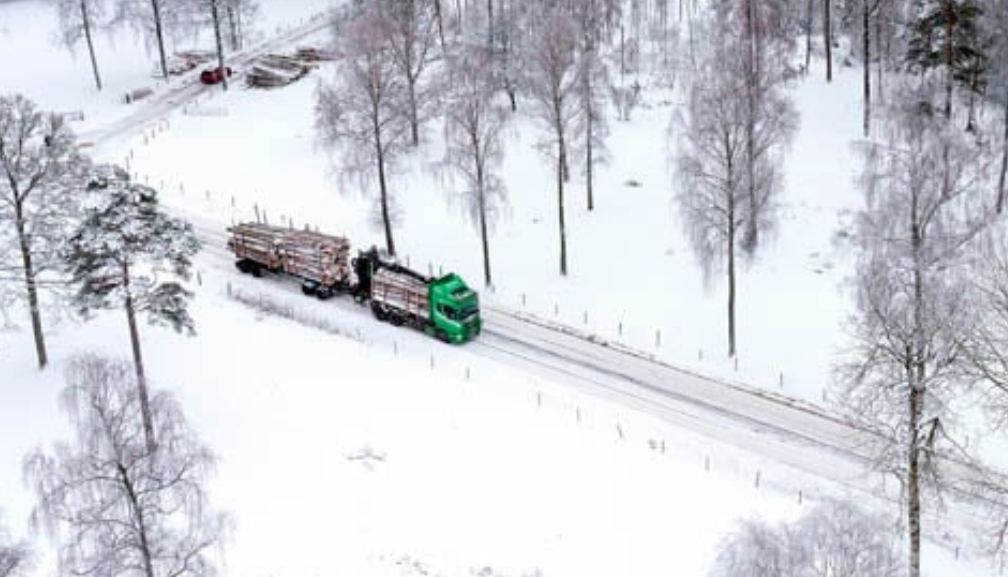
{"x":117,"y":254}
{"x":944,"y":36}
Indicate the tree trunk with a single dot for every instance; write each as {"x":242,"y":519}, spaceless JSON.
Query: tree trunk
{"x":949,"y":56}
{"x":490,"y":24}
{"x":913,"y":480}
{"x":159,"y":33}
{"x":383,"y":190}
{"x":751,"y":238}
{"x":138,"y":516}
{"x":86,"y":19}
{"x":866,"y":55}
{"x":233,"y":28}
{"x":1004,"y":162}
{"x":915,"y":378}
{"x":31,"y":285}
{"x":589,"y":137}
{"x":731,"y":276}
{"x":220,"y":45}
{"x":808,"y":35}
{"x":828,"y":39}
{"x":560,"y":200}
{"x":881,"y":58}
{"x":138,"y":362}
{"x":484,"y":236}
{"x":414,"y":119}
{"x":622,"y":55}
{"x":440,"y":22}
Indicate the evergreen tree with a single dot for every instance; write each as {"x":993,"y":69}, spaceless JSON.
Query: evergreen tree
{"x":944,"y":37}
{"x":115,"y":257}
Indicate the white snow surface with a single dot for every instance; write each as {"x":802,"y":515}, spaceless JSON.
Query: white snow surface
{"x":379,"y":452}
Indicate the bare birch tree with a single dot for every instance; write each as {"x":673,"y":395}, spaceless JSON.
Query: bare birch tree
{"x":827,"y":29}
{"x":39,"y":168}
{"x":833,"y":539}
{"x":151,"y":17}
{"x":760,"y":31}
{"x":359,"y":115}
{"x":552,"y":80}
{"x":113,"y":506}
{"x":82,"y":19}
{"x":910,"y":326}
{"x":474,"y":148}
{"x":711,"y":168}
{"x":591,"y":127}
{"x":411,"y":37}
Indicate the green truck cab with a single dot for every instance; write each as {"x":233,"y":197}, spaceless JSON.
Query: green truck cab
{"x":443,"y":307}
{"x":454,"y":308}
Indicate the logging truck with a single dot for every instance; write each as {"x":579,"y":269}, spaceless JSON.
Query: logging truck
{"x":443,"y":307}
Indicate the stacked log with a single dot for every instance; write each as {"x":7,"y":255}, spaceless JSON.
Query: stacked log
{"x":275,"y":70}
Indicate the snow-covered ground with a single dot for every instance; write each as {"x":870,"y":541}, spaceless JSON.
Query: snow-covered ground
{"x":358,"y":454}
{"x":632,"y":274}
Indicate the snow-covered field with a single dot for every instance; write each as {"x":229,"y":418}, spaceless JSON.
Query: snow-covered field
{"x":380,"y":452}
{"x":632,"y":275}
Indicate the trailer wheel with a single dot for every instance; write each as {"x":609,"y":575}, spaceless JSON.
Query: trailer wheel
{"x":255,"y":269}
{"x":397,"y":319}
{"x":324,"y":293}
{"x":308,"y":289}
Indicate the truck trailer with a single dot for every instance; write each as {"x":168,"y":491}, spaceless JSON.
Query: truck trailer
{"x":443,"y":307}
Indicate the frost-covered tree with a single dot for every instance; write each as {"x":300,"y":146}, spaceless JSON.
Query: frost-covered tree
{"x":113,"y":505}
{"x":129,"y":254}
{"x":474,"y":124}
{"x":711,"y":170}
{"x":592,"y":128}
{"x":14,"y":556}
{"x":838,"y":538}
{"x":924,"y":207}
{"x":360,"y":114}
{"x":834,"y":539}
{"x":410,"y":33}
{"x":154,"y":19}
{"x":216,"y":17}
{"x":827,"y":29}
{"x":758,"y":549}
{"x":552,"y":80}
{"x":39,"y":172}
{"x":760,"y":33}
{"x":82,"y":19}
{"x":240,"y":14}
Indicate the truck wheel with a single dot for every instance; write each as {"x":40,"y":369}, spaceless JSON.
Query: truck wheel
{"x":379,"y":313}
{"x":397,"y":319}
{"x":242,"y":265}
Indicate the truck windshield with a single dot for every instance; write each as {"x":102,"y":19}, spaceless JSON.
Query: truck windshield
{"x":460,"y":315}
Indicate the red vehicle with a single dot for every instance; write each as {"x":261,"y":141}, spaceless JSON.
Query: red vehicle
{"x":213,"y":75}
